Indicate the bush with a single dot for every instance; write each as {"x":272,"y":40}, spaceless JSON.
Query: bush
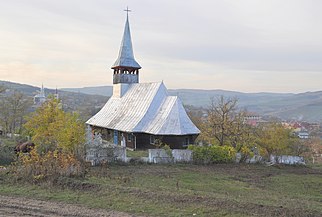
{"x":49,"y":167}
{"x":212,"y":154}
{"x":7,"y":154}
{"x":58,"y":138}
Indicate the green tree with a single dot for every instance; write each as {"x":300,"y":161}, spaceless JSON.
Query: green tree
{"x":275,"y":138}
{"x":53,"y":129}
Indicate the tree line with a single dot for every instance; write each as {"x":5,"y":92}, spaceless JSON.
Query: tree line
{"x":224,"y":124}
{"x":14,"y":106}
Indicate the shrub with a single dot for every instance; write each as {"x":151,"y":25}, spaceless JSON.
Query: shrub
{"x":58,"y":137}
{"x":212,"y":154}
{"x":246,"y":153}
{"x":49,"y":167}
{"x":7,"y":154}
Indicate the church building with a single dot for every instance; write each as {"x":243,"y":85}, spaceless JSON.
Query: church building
{"x":140,"y":115}
{"x":40,"y":98}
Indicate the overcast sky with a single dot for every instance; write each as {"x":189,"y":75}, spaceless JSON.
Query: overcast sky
{"x":248,"y":45}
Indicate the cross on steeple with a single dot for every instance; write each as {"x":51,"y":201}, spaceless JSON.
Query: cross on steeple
{"x":126,"y":69}
{"x":127,"y":11}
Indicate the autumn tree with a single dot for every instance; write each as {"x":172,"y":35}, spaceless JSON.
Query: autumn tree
{"x":225,"y":123}
{"x":221,"y":118}
{"x":244,"y":136}
{"x":275,"y":138}
{"x":225,"y":126}
{"x":53,"y":129}
{"x":312,"y":149}
{"x":59,"y":137}
{"x":300,"y":146}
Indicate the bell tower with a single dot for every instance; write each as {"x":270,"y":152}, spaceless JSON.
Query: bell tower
{"x":126,"y":69}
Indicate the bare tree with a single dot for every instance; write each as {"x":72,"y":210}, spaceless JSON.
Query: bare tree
{"x":13,"y":107}
{"x":225,"y":125}
{"x":221,"y":119}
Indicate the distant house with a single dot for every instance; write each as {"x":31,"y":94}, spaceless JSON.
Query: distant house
{"x":303,"y":134}
{"x":253,"y":119}
{"x":141,"y":115}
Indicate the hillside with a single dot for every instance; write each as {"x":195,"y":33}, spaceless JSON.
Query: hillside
{"x":303,"y":106}
{"x":87,"y":105}
{"x":195,"y":97}
{"x":177,"y":190}
{"x":100,"y":90}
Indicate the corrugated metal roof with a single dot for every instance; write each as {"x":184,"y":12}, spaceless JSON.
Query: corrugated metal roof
{"x":146,"y":108}
{"x":126,"y":56}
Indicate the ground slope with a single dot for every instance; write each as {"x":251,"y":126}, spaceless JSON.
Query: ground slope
{"x":21,"y":206}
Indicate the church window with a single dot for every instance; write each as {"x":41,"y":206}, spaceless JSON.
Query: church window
{"x":129,"y":137}
{"x":152,"y":139}
{"x":186,"y":141}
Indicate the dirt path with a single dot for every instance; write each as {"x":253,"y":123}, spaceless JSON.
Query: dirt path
{"x":19,"y":206}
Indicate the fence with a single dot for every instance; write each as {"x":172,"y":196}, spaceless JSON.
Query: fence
{"x":98,"y":151}
{"x":175,"y":156}
{"x":287,"y":159}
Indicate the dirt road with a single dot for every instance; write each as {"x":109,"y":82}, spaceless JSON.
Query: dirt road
{"x":19,"y":206}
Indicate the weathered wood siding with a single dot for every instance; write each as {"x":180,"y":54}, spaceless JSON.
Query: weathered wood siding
{"x":143,"y":140}
{"x":175,"y":142}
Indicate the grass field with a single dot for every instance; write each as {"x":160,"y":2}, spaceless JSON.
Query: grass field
{"x":189,"y":190}
{"x":137,"y":153}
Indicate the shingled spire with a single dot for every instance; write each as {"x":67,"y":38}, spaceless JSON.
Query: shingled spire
{"x":126,"y":69}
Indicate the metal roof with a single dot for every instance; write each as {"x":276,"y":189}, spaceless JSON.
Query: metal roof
{"x":145,"y":108}
{"x":126,"y":56}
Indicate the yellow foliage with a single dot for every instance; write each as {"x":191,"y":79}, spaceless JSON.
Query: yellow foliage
{"x":53,"y":129}
{"x":59,"y":137}
{"x":34,"y":168}
{"x":275,"y":138}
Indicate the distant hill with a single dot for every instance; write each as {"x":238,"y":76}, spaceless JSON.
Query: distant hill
{"x":303,"y":106}
{"x":24,"y":88}
{"x":100,"y":90}
{"x":87,"y":105}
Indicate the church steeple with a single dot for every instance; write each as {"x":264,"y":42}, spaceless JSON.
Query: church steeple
{"x":42,"y":91}
{"x":126,"y":69}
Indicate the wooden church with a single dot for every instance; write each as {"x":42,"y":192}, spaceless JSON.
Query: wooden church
{"x":139,"y":115}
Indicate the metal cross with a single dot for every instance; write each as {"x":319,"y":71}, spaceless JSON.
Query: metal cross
{"x":127,"y":11}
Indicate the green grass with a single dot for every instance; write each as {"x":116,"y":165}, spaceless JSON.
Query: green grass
{"x":137,"y":153}
{"x":184,"y":190}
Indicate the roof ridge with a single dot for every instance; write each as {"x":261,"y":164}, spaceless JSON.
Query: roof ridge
{"x":152,"y":104}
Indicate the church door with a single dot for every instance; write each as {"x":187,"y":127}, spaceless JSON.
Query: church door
{"x":115,"y":137}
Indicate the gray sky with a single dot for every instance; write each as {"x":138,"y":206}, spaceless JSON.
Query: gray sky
{"x":248,"y":45}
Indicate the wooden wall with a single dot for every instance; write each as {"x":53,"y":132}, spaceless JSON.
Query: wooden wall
{"x":143,"y":140}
